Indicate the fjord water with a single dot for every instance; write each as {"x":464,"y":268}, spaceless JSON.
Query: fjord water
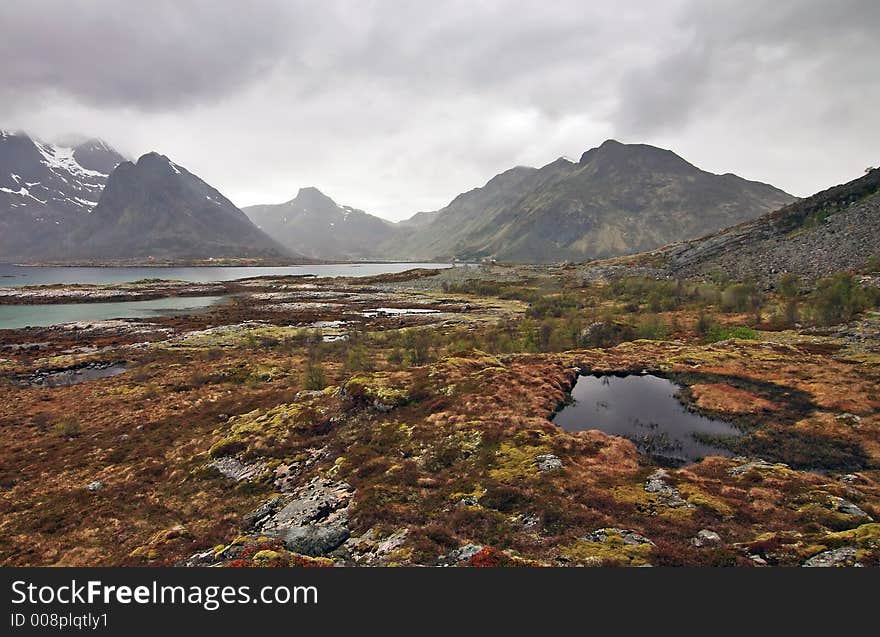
{"x":644,"y":409}
{"x":18,"y":316}
{"x":17,"y":275}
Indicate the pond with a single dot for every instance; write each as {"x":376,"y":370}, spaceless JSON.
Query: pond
{"x":73,"y":375}
{"x":644,"y":409}
{"x":18,"y":316}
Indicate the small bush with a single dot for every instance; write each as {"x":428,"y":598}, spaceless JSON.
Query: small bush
{"x":740,"y":297}
{"x":314,"y":378}
{"x":837,"y":299}
{"x":788,"y":285}
{"x":652,"y":328}
{"x":67,"y":427}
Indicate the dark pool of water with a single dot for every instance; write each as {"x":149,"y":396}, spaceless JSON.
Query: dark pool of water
{"x":644,"y":409}
{"x":65,"y":377}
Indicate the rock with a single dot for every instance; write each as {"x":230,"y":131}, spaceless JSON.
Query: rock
{"x":527,"y":520}
{"x":844,"y":556}
{"x":851,"y":419}
{"x":95,"y":485}
{"x":706,"y":537}
{"x":748,"y":465}
{"x":847,"y":508}
{"x":548,"y":462}
{"x":850,"y":478}
{"x":313,"y":520}
{"x":236,"y":470}
{"x":627,"y":535}
{"x":199,"y":559}
{"x":315,"y":540}
{"x":261,"y":513}
{"x":464,"y":552}
{"x":668,"y":495}
{"x":392,"y":542}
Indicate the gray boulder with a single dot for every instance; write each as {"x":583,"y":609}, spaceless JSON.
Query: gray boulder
{"x":844,"y":556}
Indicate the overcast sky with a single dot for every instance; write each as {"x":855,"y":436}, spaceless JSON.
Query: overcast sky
{"x":396,"y":106}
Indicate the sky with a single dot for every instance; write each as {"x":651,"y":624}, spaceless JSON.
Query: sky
{"x":396,"y":106}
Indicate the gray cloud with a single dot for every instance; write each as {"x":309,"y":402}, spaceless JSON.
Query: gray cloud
{"x":145,"y":55}
{"x":397,"y":106}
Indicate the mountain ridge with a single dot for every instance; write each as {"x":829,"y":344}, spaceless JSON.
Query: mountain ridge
{"x":617,"y":199}
{"x":156,"y":208}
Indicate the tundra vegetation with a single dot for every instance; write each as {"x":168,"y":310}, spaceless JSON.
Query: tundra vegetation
{"x":428,"y":437}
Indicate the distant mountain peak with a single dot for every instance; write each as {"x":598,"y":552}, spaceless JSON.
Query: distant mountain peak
{"x":613,"y":153}
{"x":154,"y":207}
{"x":310,"y":196}
{"x":313,"y":224}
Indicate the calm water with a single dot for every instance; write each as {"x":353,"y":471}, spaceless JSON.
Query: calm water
{"x":67,"y":377}
{"x":16,"y":275}
{"x":17,"y":316}
{"x":645,"y":410}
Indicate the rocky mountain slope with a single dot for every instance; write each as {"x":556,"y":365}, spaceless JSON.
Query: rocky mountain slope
{"x":155,"y":208}
{"x":618,"y":199}
{"x":314,"y":225}
{"x":833,"y":230}
{"x":46,"y":190}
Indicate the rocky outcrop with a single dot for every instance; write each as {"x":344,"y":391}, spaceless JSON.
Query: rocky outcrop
{"x":312,"y":521}
{"x":548,"y":462}
{"x":610,"y":534}
{"x":844,"y":556}
{"x":666,"y":493}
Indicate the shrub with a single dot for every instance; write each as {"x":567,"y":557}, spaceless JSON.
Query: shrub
{"x":705,"y":324}
{"x":417,"y":345}
{"x":839,"y":298}
{"x":652,"y":328}
{"x":358,"y":360}
{"x":872,"y":265}
{"x":314,"y":377}
{"x":740,"y":297}
{"x":67,"y":427}
{"x":788,"y":285}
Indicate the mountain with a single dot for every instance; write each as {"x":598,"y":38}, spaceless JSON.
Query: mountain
{"x":46,"y":190}
{"x":618,"y":199}
{"x":155,"y":208}
{"x":314,"y":225}
{"x":833,"y":230}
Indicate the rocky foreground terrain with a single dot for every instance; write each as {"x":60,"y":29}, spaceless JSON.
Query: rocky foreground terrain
{"x":406,"y":420}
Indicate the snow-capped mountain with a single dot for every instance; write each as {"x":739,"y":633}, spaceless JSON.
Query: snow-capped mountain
{"x":46,"y":190}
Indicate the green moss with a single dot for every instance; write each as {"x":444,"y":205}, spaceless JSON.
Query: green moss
{"x":516,"y":462}
{"x":612,"y":552}
{"x":866,"y":535}
{"x":705,"y":501}
{"x":376,"y":387}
